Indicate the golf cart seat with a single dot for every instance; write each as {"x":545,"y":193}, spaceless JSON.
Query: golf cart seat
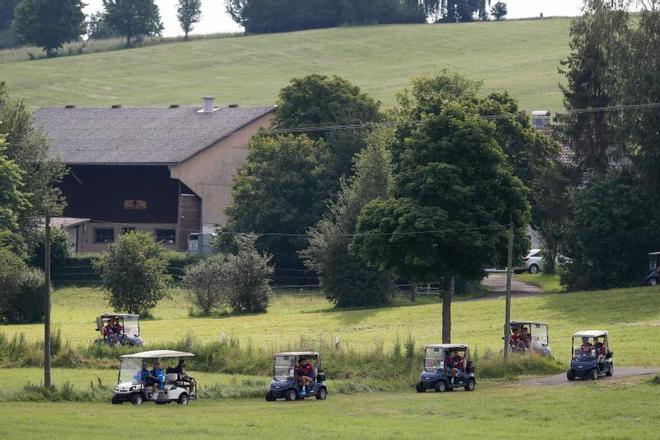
{"x":171,"y":378}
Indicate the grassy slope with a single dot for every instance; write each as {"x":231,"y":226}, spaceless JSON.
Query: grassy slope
{"x":624,"y":410}
{"x":548,"y":283}
{"x":518,"y":56}
{"x":632,"y":316}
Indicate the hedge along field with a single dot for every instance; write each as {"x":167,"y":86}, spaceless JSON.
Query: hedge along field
{"x":520,"y":57}
{"x":631,"y":315}
{"x":621,"y":410}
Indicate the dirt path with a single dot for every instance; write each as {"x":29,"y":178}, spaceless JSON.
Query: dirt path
{"x":496,"y":283}
{"x":619,"y":373}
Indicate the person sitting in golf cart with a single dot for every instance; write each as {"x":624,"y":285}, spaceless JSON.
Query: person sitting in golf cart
{"x":178,"y":370}
{"x":455,"y":366}
{"x":109,"y":333}
{"x":586,"y":346}
{"x":305,"y":372}
{"x":156,"y":379}
{"x":117,"y":329}
{"x":514,"y":339}
{"x":525,"y":338}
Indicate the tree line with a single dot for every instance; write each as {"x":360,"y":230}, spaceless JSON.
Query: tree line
{"x":52,"y":23}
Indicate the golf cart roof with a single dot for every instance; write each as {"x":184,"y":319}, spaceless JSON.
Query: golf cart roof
{"x":157,"y":354}
{"x":527,"y":322}
{"x":590,"y":333}
{"x":297,"y":353}
{"x":119,"y":315}
{"x":448,"y":346}
{"x":653,"y":253}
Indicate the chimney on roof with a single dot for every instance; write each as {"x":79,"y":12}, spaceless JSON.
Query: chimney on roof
{"x":209,"y":105}
{"x":174,"y":105}
{"x":233,"y":105}
{"x":69,"y":106}
{"x":116,"y":106}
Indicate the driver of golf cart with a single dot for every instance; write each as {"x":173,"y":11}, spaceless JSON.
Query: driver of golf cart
{"x":305,"y":372}
{"x":454,"y":365}
{"x":586,"y":346}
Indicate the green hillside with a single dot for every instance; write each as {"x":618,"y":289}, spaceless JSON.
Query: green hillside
{"x":519,"y":56}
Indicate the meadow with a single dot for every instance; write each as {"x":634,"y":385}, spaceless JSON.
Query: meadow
{"x":632,"y":317}
{"x":520,"y":57}
{"x":623,"y":410}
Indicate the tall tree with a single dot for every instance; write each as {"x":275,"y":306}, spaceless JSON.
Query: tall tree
{"x":189,"y":12}
{"x":453,"y":194}
{"x":98,"y":28}
{"x":133,"y":19}
{"x":459,"y":11}
{"x":499,"y":11}
{"x":280,"y":192}
{"x":28,"y":148}
{"x":12,"y":198}
{"x":7,"y":13}
{"x":345,"y":279}
{"x":49,"y":23}
{"x":319,"y":101}
{"x":595,"y":72}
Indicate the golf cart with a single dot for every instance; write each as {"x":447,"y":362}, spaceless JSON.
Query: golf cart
{"x":137,"y":385}
{"x":536,"y":341}
{"x":285,"y":382}
{"x":592,"y":357}
{"x":652,"y":277}
{"x":437,"y":375}
{"x":128,"y":334}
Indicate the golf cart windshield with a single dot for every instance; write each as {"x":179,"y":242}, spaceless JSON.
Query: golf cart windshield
{"x":131,"y":326}
{"x":284,"y":366}
{"x":539,"y":333}
{"x":435,"y":359}
{"x":130,"y":370}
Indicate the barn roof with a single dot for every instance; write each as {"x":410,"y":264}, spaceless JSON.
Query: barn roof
{"x":139,"y":135}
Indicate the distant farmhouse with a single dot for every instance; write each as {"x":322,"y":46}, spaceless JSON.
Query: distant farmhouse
{"x":166,"y":171}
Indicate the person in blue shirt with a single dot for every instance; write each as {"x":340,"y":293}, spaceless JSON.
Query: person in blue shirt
{"x":157,"y":379}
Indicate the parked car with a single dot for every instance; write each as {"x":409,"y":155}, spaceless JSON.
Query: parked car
{"x":436,"y":374}
{"x":285,"y":382}
{"x":591,"y":355}
{"x":533,"y":262}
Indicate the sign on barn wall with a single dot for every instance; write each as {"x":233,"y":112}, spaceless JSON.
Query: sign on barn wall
{"x":135,"y":205}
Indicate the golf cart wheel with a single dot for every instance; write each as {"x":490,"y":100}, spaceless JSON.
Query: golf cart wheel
{"x":470,"y":385}
{"x":440,"y":386}
{"x":534,"y":268}
{"x":137,"y":399}
{"x":570,"y":375}
{"x":270,"y":397}
{"x":420,"y":388}
{"x":322,"y":394}
{"x":593,"y":374}
{"x":291,"y":395}
{"x":183,"y":399}
{"x":653,"y":282}
{"x":116,"y":400}
{"x":610,"y":371}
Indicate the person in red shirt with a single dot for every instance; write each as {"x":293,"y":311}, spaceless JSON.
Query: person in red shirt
{"x":586,"y":346}
{"x":305,"y":372}
{"x":514,"y":339}
{"x":456,"y":366}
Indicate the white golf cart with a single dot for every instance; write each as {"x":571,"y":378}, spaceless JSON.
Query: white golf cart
{"x":126,"y":333}
{"x":137,"y":384}
{"x":532,"y":338}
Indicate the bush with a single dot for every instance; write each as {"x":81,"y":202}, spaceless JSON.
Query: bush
{"x":205,"y":280}
{"x":493,"y":366}
{"x":21,"y":290}
{"x":247,"y":275}
{"x":29,"y":306}
{"x":133,"y":271}
{"x":60,"y":247}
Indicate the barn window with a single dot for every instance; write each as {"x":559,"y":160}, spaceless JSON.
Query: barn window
{"x":104,"y":235}
{"x":165,"y":235}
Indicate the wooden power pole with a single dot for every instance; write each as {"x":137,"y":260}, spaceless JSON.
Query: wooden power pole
{"x":47,"y":382}
{"x":446,"y":311}
{"x":507,"y":313}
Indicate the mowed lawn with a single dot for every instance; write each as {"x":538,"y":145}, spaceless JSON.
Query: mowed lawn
{"x":518,"y":56}
{"x":622,"y":410}
{"x":631,"y":315}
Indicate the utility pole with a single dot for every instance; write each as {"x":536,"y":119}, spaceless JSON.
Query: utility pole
{"x":507,"y":313}
{"x":446,"y":311}
{"x":47,"y":382}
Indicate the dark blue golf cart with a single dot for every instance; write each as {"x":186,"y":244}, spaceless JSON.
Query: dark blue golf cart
{"x":652,"y":277}
{"x":287,"y":384}
{"x":592,"y":357}
{"x":439,"y":363}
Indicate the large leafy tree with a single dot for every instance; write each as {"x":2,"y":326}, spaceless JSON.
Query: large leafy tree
{"x":49,"y":23}
{"x":189,"y":12}
{"x":319,"y":101}
{"x":133,"y":19}
{"x":280,"y":192}
{"x":456,"y":11}
{"x":345,"y":279}
{"x":27,"y":147}
{"x":453,"y":196}
{"x":595,"y":72}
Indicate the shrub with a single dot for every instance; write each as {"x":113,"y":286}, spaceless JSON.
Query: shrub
{"x":12,"y":270}
{"x":59,"y":247}
{"x":205,"y":280}
{"x":247,"y":275}
{"x":133,"y":271}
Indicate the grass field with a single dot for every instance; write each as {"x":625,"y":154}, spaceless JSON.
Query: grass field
{"x":549,"y":283}
{"x":622,"y":410}
{"x":631,"y":315}
{"x":518,"y":56}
